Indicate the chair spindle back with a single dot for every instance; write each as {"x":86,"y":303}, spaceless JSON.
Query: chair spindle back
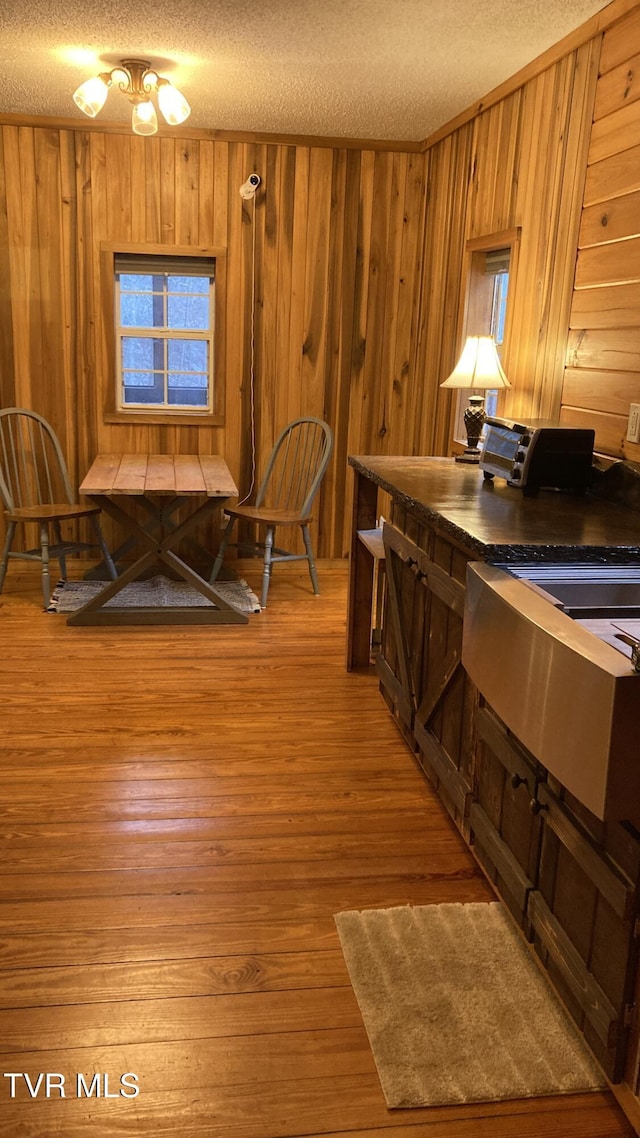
{"x":33,"y":471}
{"x":296,"y":466}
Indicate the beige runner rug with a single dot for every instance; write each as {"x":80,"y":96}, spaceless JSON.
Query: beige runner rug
{"x":456,"y":1010}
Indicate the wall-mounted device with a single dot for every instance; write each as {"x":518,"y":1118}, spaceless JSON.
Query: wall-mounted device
{"x":248,"y":188}
{"x":539,"y":455}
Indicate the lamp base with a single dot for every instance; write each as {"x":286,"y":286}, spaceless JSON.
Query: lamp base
{"x":474,"y":419}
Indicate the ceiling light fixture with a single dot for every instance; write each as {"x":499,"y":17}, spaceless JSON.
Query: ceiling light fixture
{"x":138,"y":81}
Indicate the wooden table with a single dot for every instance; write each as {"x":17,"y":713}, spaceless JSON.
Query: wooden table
{"x":160,"y":484}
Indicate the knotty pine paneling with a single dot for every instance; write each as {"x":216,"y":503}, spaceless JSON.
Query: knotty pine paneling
{"x":622,"y":84}
{"x":450,"y":164}
{"x":619,"y":130}
{"x":600,"y":390}
{"x":614,"y":307}
{"x":602,"y":375}
{"x":610,"y":221}
{"x":613,"y":264}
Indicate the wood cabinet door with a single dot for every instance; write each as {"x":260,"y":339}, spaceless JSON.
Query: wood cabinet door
{"x":505,"y":831}
{"x":420,"y":666}
{"x":584,"y":921}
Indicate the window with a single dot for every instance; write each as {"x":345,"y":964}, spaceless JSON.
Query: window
{"x":490,"y":268}
{"x":165,"y":329}
{"x":497,"y":268}
{"x":164,"y":325}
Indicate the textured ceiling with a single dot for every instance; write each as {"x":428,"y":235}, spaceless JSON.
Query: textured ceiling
{"x":386,"y":69}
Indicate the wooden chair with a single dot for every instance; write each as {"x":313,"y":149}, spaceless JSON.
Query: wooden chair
{"x":35,"y":487}
{"x":294,"y":472}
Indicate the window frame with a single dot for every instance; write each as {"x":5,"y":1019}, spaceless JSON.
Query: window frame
{"x":478,"y":299}
{"x":115,"y":410}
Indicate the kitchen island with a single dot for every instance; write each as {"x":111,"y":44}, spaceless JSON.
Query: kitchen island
{"x":570,"y":880}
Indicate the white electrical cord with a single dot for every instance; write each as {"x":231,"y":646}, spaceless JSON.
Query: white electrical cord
{"x":248,"y":193}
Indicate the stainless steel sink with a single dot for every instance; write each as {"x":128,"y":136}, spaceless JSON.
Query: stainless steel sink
{"x":540,"y":643}
{"x":587,"y":590}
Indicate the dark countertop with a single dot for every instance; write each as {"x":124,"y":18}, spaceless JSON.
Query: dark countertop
{"x":497,"y":522}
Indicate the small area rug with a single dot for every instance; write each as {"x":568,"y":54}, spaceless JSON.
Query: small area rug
{"x":456,"y":1010}
{"x":157,"y":592}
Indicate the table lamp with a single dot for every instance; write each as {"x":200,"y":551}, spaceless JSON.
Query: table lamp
{"x":478,"y":369}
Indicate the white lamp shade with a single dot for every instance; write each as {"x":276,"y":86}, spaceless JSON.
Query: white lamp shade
{"x":91,"y":96}
{"x":144,"y":119}
{"x":479,"y":366}
{"x":173,"y":105}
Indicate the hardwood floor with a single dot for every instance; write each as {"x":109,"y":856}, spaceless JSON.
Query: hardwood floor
{"x":183,"y":811}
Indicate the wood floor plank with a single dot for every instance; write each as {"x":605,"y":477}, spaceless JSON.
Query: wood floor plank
{"x":222,"y":876}
{"x":74,"y":855}
{"x":221,"y":1061}
{"x":269,"y":787}
{"x":218,"y":827}
{"x":60,"y":946}
{"x":149,"y":980}
{"x":165,"y":1020}
{"x":30,"y":764}
{"x":188,"y":909}
{"x":63,"y":805}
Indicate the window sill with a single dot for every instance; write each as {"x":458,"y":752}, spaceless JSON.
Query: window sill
{"x":164,"y":418}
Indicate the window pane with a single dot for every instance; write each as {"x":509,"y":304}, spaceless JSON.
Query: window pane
{"x":491,"y":402}
{"x":188,"y":355}
{"x":500,"y":287}
{"x":136,"y":310}
{"x":188,"y":312}
{"x":142,"y":352}
{"x":187,"y":397}
{"x":147,"y":396}
{"x":191,"y":285}
{"x":180,"y":379}
{"x":135,"y":282}
{"x":143,"y":306}
{"x":144,"y":387}
{"x":141,"y":378}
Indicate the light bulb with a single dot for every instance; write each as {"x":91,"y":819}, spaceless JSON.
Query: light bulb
{"x":172,"y":103}
{"x":143,"y":119}
{"x":91,"y":95}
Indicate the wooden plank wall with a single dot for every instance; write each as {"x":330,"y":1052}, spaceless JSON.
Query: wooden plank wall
{"x":360,"y":267}
{"x":602,"y":376}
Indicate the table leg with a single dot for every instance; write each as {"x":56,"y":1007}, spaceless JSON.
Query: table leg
{"x":160,"y":517}
{"x":220,"y":612}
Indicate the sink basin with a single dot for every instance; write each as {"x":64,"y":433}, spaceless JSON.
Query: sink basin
{"x":562,"y":682}
{"x":587,"y":590}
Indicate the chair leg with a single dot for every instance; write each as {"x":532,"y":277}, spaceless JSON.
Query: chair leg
{"x":266,"y":571}
{"x":44,"y":556}
{"x":104,"y":548}
{"x":62,"y":561}
{"x":312,"y":565}
{"x":11,"y":530}
{"x":217,"y":565}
